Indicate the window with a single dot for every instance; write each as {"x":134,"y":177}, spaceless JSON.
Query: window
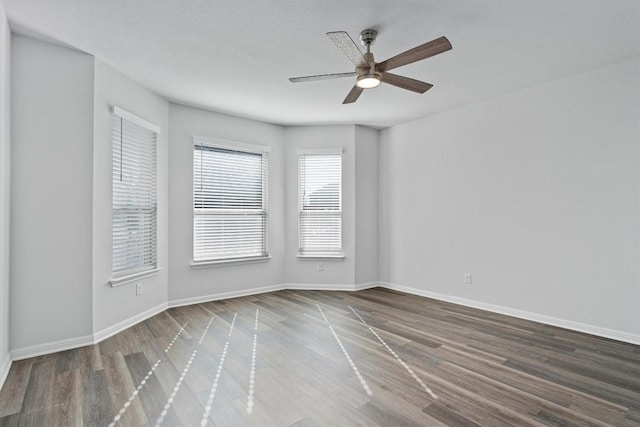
{"x":229,"y":201}
{"x":320,"y":203}
{"x":134,"y":204}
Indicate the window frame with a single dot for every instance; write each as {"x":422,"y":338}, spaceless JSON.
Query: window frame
{"x":239,"y":147}
{"x":148,"y":269}
{"x":338,"y":254}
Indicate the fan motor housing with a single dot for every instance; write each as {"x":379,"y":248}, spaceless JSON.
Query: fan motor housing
{"x":368,"y":36}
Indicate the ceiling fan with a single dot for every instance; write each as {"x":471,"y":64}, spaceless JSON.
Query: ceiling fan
{"x":370,"y":74}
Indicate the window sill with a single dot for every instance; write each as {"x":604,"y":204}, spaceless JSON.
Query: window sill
{"x":226,"y":262}
{"x":311,"y":257}
{"x":133,"y":277}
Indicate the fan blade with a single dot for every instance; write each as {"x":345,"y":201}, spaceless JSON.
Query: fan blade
{"x":419,"y":53}
{"x":353,"y":95}
{"x":320,"y":77}
{"x":406,"y":83}
{"x":346,"y":44}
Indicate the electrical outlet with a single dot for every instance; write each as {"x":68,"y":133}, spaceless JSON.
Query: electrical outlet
{"x":467,"y":278}
{"x":320,"y":266}
{"x":138,"y":288}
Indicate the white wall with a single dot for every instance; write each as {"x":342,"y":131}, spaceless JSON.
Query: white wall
{"x":62,"y":106}
{"x":114,"y":305}
{"x":51,"y":193}
{"x":189,"y":285}
{"x":359,"y":206}
{"x":535,"y":193}
{"x":336,"y":272}
{"x":366,"y":217}
{"x":185,"y":283}
{"x":5,"y":191}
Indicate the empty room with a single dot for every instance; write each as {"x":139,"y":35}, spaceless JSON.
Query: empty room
{"x":319,"y":213}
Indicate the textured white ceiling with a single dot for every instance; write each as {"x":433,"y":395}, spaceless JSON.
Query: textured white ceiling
{"x":236,"y":56}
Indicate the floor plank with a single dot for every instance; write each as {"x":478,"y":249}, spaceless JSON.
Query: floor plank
{"x":13,"y":393}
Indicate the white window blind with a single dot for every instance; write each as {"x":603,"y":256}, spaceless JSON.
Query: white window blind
{"x":320,"y":203}
{"x":230,"y":202}
{"x":134,"y":204}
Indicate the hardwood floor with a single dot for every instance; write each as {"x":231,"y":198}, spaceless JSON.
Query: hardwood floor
{"x":318,"y":358}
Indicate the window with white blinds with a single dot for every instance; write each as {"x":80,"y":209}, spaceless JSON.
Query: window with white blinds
{"x":320,"y":203}
{"x":229,"y":201}
{"x":134,"y":204}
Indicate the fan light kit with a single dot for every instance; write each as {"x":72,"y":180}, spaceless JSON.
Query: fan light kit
{"x":368,"y":81}
{"x":370,"y":74}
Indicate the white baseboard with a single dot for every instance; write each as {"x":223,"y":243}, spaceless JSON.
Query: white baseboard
{"x":127,"y":323}
{"x":329,"y":287}
{"x":55,"y":346}
{"x":225,"y":295}
{"x":272,"y":288}
{"x":50,"y":347}
{"x":521,"y":314}
{"x":363,"y":286}
{"x":5,"y":365}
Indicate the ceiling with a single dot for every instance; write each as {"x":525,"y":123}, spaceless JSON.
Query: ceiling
{"x":236,"y":56}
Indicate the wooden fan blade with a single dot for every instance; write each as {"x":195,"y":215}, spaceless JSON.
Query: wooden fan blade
{"x":320,"y":77}
{"x":416,"y":54}
{"x":345,"y":43}
{"x":406,"y":83}
{"x":353,"y":95}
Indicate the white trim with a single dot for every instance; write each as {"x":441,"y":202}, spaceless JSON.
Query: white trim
{"x":232,"y":145}
{"x":41,"y":349}
{"x":133,"y":277}
{"x":117,"y":111}
{"x":312,"y":256}
{"x":272,"y":288}
{"x":228,"y":261}
{"x":127,"y":323}
{"x":112,"y":330}
{"x":51,"y":347}
{"x":311,"y":151}
{"x":5,"y":366}
{"x":55,"y":346}
{"x":329,"y":287}
{"x":521,"y":314}
{"x":302,"y":231}
{"x":224,"y":295}
{"x":97,"y":337}
{"x":366,"y":285}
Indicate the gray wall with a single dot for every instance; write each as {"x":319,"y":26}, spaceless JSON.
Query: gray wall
{"x":535,"y":193}
{"x":61,"y":199}
{"x":336,"y":272}
{"x":62,"y":160}
{"x":51,"y":182}
{"x":114,"y":305}
{"x":185,"y":283}
{"x":188,"y":285}
{"x":366,"y":218}
{"x":359,"y":196}
{"x":5,"y":191}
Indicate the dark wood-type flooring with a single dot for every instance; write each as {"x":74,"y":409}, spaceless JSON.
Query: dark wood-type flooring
{"x":429,"y":363}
